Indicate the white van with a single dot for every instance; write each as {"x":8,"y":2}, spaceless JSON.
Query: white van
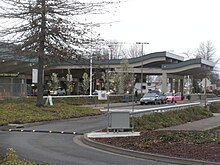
{"x":137,"y":87}
{"x":146,"y":87}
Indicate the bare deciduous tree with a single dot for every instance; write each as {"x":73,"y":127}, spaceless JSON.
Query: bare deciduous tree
{"x":133,"y":51}
{"x":48,"y":29}
{"x":115,"y":49}
{"x":205,"y":51}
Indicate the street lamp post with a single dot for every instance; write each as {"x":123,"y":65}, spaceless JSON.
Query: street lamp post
{"x":90,"y":77}
{"x":91,"y":60}
{"x":142,"y":54}
{"x":108,"y":86}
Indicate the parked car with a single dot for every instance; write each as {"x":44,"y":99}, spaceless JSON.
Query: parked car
{"x":171,"y":97}
{"x":161,"y":95}
{"x":152,"y":98}
{"x":179,"y":96}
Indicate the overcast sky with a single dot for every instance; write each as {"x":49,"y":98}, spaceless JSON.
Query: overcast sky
{"x":168,"y":25}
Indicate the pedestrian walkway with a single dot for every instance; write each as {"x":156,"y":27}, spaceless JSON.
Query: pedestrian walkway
{"x":200,"y":125}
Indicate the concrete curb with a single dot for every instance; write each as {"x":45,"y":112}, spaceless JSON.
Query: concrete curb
{"x":111,"y":134}
{"x":143,"y":155}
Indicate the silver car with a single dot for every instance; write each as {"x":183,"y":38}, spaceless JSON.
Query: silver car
{"x":151,"y":98}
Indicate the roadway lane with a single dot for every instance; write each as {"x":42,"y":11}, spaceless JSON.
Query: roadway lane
{"x":64,"y":148}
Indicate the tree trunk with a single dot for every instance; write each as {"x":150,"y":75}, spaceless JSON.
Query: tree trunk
{"x":40,"y":101}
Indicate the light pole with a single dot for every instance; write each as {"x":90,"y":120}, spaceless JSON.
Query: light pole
{"x":142,"y":54}
{"x":108,"y":85}
{"x":91,"y":60}
{"x":90,"y":67}
{"x":90,"y":77}
{"x":91,"y":53}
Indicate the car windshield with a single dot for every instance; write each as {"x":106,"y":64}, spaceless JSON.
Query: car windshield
{"x":169,"y":94}
{"x":178,"y":94}
{"x":150,"y":95}
{"x":155,"y":91}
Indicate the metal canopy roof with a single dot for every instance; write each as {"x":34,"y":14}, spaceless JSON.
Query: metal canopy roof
{"x":189,"y":67}
{"x":171,"y":63}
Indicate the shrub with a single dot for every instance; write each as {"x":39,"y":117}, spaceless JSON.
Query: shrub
{"x":215,"y":107}
{"x":196,"y":137}
{"x":170,"y":118}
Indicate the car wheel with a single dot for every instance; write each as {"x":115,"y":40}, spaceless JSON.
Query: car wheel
{"x":142,"y":103}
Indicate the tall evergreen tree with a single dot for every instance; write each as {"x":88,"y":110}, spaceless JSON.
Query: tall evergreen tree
{"x":48,"y":29}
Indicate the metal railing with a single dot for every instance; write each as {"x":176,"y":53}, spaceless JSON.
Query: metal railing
{"x":171,"y":107}
{"x":140,"y":112}
{"x":165,"y":108}
{"x":72,"y":96}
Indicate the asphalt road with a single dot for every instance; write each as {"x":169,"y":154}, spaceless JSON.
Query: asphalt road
{"x":64,"y":149}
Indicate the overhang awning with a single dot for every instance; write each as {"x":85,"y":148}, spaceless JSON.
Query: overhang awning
{"x":189,"y":67}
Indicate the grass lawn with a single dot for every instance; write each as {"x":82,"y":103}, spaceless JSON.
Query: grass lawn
{"x":25,"y":111}
{"x":11,"y":158}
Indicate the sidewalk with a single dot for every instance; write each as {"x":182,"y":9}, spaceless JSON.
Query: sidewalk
{"x":200,"y":125}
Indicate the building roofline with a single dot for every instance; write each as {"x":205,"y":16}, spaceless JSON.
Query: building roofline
{"x":187,"y":63}
{"x":141,"y":58}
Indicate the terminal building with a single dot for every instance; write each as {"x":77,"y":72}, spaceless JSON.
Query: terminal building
{"x":16,"y":73}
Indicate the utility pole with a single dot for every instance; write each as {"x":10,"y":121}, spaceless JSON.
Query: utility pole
{"x":142,"y":54}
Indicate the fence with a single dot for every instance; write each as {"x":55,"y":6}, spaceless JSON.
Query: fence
{"x":9,"y":90}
